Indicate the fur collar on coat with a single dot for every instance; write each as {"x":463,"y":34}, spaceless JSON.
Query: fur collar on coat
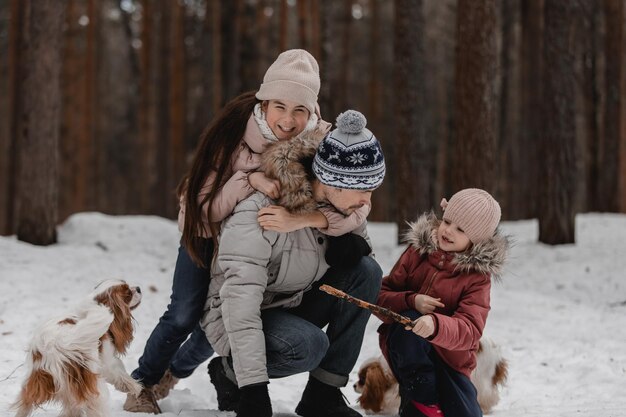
{"x":285,"y":161}
{"x":487,"y":257}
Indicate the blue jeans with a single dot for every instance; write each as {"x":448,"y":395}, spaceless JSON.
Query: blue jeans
{"x":424,"y":377}
{"x":295,"y":341}
{"x":165,"y":347}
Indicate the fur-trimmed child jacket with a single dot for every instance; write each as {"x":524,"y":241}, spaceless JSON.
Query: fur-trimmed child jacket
{"x":461,"y":279}
{"x":257,"y":269}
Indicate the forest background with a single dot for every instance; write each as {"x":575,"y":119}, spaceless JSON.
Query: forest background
{"x":102,"y":101}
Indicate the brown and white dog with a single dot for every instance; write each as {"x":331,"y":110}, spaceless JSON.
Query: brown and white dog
{"x":70,"y":357}
{"x":379,"y":389}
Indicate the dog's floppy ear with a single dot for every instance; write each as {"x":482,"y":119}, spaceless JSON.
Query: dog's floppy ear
{"x":118,"y":299}
{"x":374,"y":388}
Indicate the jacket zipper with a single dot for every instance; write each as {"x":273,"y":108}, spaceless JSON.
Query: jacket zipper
{"x":430,"y":283}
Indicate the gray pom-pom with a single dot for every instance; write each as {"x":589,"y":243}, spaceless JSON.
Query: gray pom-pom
{"x":351,"y":121}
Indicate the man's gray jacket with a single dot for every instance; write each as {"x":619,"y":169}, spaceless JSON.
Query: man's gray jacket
{"x":256,"y":269}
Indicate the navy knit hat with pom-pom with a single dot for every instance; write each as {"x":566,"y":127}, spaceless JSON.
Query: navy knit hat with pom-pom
{"x":350,"y":156}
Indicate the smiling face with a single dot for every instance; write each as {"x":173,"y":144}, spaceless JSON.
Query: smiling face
{"x":452,"y":238}
{"x":286,"y":118}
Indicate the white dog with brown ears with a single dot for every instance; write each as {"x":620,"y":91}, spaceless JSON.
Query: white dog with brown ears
{"x":72,"y":356}
{"x":379,"y":389}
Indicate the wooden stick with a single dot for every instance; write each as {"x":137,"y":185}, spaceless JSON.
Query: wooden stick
{"x":368,"y":306}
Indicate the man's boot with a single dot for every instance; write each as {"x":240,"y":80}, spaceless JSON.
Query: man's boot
{"x":320,"y":399}
{"x":227,"y":391}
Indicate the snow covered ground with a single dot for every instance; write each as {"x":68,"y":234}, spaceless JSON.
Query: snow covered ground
{"x":559,"y":312}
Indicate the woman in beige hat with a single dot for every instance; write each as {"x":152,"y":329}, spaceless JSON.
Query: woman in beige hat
{"x":224,"y":172}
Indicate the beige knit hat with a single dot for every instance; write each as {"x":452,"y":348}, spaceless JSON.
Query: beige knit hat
{"x":475,"y":211}
{"x":294,"y":76}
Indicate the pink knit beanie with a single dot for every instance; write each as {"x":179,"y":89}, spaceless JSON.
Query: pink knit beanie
{"x":294,"y":76}
{"x":475,"y":211}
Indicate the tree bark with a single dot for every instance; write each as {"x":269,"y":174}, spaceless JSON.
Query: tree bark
{"x":303,"y":37}
{"x":608,"y":179}
{"x":231,"y":48}
{"x":558,"y":180}
{"x":38,"y":121}
{"x":216,"y":33}
{"x":329,"y":71}
{"x":509,"y":131}
{"x":413,"y":159}
{"x":622,"y":142}
{"x":115,"y":118}
{"x":13,"y":105}
{"x":525,"y":169}
{"x":177,"y":107}
{"x":284,"y":20}
{"x":472,"y":154}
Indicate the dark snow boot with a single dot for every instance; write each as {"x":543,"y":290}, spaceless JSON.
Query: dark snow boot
{"x":320,"y":399}
{"x":227,"y":391}
{"x":255,"y":401}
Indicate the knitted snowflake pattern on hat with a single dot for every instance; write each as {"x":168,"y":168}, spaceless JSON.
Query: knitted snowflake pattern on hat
{"x":350,"y":157}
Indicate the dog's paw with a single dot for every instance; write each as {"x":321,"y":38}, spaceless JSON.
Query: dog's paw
{"x":135,"y":388}
{"x":129,"y":386}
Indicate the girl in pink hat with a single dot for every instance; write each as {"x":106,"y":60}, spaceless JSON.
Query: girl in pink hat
{"x":442,"y":281}
{"x":226,"y":170}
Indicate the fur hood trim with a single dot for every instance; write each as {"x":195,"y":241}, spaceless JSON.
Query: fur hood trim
{"x":487,"y":257}
{"x":284,"y":161}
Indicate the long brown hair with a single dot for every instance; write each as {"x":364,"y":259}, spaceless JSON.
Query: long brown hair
{"x":218,"y":142}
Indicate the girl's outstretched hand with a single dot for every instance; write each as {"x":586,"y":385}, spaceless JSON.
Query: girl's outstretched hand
{"x":426,"y":304}
{"x":424,"y":326}
{"x":278,"y":219}
{"x":260,"y":182}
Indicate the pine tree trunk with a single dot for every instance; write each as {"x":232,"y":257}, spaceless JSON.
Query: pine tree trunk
{"x":527,"y":173}
{"x":216,"y":33}
{"x":177,"y":107}
{"x":231,"y":48}
{"x":284,"y":20}
{"x":608,"y":180}
{"x":115,"y":118}
{"x":558,"y":180}
{"x":472,"y":154}
{"x":78,"y":84}
{"x":593,"y":104}
{"x":621,"y":56}
{"x":38,"y":121}
{"x":5,"y":114}
{"x":329,"y":71}
{"x":14,"y":58}
{"x":303,"y":40}
{"x":413,"y":159}
{"x":341,"y":92}
{"x":315,"y":28}
{"x":509,"y":132}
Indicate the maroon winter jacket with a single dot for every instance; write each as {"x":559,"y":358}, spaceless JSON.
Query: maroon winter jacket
{"x":461,"y":279}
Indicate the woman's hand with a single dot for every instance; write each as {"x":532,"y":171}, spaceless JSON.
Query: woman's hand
{"x":424,"y":326}
{"x":426,"y":304}
{"x":260,"y":182}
